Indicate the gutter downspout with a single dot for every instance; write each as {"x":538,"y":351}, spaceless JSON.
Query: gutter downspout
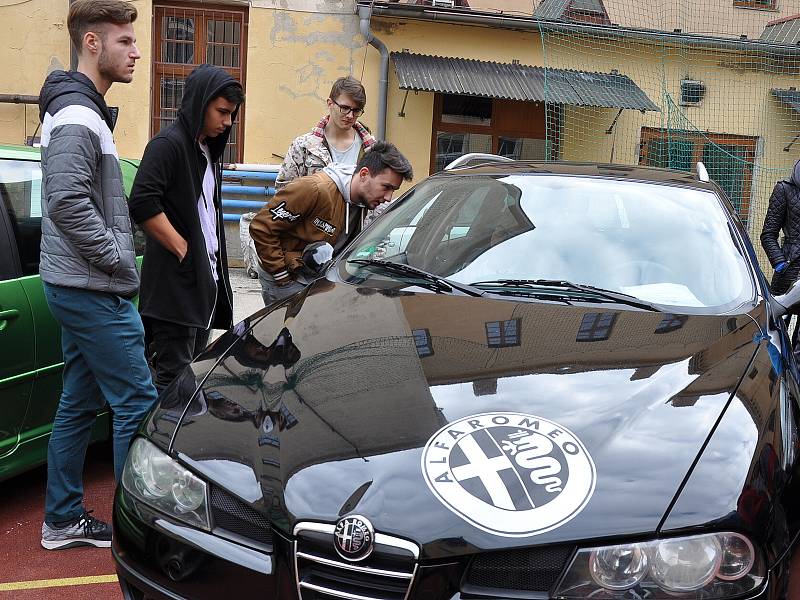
{"x":73,"y":51}
{"x":364,"y":15}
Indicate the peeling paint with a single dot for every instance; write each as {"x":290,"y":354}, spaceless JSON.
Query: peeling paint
{"x":345,"y":34}
{"x":389,"y":27}
{"x":309,"y":6}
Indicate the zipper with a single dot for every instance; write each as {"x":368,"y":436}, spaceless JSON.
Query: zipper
{"x":218,"y":213}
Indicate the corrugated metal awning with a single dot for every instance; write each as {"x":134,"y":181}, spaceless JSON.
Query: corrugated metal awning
{"x":782,"y":31}
{"x":513,"y":81}
{"x":790,"y":97}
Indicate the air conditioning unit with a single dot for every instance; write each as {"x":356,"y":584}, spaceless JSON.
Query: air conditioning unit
{"x":692,"y":92}
{"x":443,"y":3}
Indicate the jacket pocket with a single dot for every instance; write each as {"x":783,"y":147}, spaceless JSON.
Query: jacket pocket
{"x":186,"y":267}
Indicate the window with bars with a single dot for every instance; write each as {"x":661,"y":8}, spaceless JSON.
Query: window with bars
{"x":728,"y":158}
{"x":671,"y":323}
{"x":767,"y":4}
{"x":500,"y":334}
{"x":422,"y":340}
{"x":596,"y":327}
{"x":187,"y":35}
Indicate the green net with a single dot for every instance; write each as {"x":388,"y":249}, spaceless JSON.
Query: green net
{"x":721,"y":75}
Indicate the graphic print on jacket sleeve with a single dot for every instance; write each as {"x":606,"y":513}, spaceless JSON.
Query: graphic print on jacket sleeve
{"x":510,"y":474}
{"x":281,"y":213}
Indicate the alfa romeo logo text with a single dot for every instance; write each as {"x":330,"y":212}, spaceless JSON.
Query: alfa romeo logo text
{"x":510,"y":474}
{"x":353,"y":537}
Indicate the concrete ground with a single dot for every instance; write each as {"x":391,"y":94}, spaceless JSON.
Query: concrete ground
{"x":27,"y":571}
{"x":246,"y":294}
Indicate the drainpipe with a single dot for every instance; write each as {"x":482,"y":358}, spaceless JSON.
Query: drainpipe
{"x":364,"y":14}
{"x":73,"y":52}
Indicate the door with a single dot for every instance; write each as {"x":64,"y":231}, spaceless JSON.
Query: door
{"x":17,"y":337}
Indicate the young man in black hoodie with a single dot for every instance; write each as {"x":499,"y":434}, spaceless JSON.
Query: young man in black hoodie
{"x":176,"y":199}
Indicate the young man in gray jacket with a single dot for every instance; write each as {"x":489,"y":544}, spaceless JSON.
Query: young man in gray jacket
{"x":88,"y":266}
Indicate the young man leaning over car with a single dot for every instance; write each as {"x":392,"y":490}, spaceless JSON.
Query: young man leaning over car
{"x":185,"y":286}
{"x":327,"y":206}
{"x":88,"y":266}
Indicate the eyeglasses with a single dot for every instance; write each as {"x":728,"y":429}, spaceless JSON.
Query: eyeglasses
{"x":345,"y":110}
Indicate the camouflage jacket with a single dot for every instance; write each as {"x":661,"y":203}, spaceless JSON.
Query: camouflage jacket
{"x":309,"y":153}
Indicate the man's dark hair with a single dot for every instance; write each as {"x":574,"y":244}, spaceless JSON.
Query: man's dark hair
{"x":86,"y":14}
{"x":350,"y":86}
{"x":233,"y":93}
{"x":384,"y":155}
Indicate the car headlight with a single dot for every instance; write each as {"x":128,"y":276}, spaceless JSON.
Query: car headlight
{"x":157,"y":480}
{"x":713,"y":565}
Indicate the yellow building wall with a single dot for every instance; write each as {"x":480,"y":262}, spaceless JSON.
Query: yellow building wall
{"x":293,"y":56}
{"x":36,"y":41}
{"x":307,"y":51}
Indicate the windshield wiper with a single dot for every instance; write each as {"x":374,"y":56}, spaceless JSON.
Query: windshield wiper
{"x":568,"y":285}
{"x":435,"y":282}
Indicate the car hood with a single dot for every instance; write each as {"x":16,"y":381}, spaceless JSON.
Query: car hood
{"x":351,"y":400}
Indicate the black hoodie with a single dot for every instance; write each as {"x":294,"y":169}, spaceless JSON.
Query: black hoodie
{"x":170,"y":180}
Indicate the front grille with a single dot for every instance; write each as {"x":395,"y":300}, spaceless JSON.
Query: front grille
{"x":231,"y":514}
{"x":386,"y":574}
{"x":530,"y":569}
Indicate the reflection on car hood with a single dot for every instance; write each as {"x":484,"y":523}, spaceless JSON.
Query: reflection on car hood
{"x":332,"y":404}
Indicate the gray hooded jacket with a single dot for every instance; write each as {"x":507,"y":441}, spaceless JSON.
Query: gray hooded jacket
{"x":86,"y":231}
{"x":342,"y":175}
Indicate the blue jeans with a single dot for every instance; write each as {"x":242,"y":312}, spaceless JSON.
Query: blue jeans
{"x":102,"y":339}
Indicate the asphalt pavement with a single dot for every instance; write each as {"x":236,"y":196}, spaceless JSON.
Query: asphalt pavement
{"x":27,"y":571}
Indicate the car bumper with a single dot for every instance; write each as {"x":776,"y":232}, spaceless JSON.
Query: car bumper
{"x":159,"y":559}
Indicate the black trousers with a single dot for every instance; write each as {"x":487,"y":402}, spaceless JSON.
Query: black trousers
{"x":171,"y":347}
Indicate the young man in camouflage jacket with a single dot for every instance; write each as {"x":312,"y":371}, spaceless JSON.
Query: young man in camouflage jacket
{"x":338,"y":138}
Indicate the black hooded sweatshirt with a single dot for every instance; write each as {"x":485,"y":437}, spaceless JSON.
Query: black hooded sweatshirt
{"x":170,"y":180}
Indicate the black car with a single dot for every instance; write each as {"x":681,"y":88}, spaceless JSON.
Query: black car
{"x":523,"y":381}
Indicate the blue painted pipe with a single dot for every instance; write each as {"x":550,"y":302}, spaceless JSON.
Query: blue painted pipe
{"x":230,"y":217}
{"x":255,"y":204}
{"x":249,"y":175}
{"x":248,"y":190}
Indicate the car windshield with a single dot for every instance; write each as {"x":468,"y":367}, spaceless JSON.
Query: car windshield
{"x":663,"y":244}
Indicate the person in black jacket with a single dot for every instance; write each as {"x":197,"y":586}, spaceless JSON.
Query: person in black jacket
{"x":783,"y":213}
{"x":176,"y":199}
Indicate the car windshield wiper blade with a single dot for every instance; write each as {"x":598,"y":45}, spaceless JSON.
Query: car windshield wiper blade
{"x":439,"y":283}
{"x":569,"y":285}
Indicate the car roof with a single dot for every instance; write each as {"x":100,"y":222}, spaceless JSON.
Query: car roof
{"x":583,"y":169}
{"x":13,"y":152}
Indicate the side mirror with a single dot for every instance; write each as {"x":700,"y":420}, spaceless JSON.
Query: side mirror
{"x":317,"y":256}
{"x":785,"y":302}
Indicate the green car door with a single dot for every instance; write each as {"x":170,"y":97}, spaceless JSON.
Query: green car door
{"x":31,"y":364}
{"x":17,"y":344}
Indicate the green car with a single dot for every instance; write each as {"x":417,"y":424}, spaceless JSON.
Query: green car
{"x":30,"y":339}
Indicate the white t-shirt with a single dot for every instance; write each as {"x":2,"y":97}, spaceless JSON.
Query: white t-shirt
{"x":208,"y":215}
{"x":348,"y":156}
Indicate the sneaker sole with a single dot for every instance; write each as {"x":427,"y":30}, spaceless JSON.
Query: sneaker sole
{"x":74,"y":543}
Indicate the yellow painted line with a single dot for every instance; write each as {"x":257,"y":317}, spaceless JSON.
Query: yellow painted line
{"x":49,"y":583}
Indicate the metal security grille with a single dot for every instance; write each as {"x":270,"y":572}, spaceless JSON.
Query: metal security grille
{"x":386,"y":574}
{"x":235,"y":516}
{"x":185,"y":36}
{"x":530,"y":570}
